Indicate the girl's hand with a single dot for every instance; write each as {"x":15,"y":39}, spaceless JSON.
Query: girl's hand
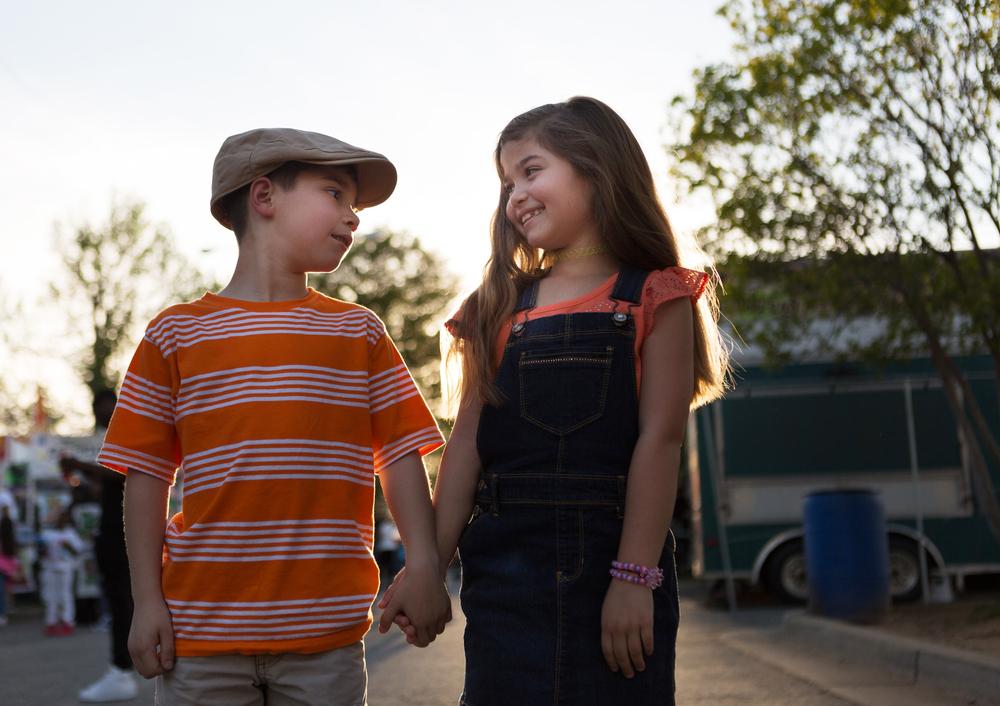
{"x":151,"y":638}
{"x":627,"y":627}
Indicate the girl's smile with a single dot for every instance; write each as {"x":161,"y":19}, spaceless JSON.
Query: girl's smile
{"x":548,"y":203}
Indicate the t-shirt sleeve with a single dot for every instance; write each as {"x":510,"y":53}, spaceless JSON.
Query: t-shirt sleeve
{"x":454,"y":323}
{"x":669,"y":284}
{"x":142,"y":436}
{"x":400,"y":419}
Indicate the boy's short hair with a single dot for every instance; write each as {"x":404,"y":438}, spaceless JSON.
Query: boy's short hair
{"x":256,"y":153}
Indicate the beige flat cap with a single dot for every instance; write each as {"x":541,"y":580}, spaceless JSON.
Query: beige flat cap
{"x":249,"y":155}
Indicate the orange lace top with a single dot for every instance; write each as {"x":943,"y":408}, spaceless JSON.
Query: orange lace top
{"x":661,"y":286}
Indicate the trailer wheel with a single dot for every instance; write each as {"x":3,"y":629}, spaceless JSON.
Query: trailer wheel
{"x":785,"y":573}
{"x":904,"y":570}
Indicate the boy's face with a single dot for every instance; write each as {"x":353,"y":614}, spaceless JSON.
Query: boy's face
{"x":315,"y":219}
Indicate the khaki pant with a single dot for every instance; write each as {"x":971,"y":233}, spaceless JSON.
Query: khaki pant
{"x":334,"y":678}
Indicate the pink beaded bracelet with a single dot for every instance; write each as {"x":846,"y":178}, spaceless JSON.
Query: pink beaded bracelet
{"x":637,"y":573}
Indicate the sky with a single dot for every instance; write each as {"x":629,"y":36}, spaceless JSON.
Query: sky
{"x":131,"y":100}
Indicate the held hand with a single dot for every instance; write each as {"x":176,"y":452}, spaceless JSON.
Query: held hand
{"x":627,"y":627}
{"x":401,"y":621}
{"x":418,"y":604}
{"x":151,"y":639}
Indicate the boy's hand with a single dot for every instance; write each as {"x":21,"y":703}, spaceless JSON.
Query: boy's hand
{"x":627,"y":627}
{"x":418,"y":603}
{"x":151,"y":639}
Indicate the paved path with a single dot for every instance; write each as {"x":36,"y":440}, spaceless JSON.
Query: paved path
{"x":743,"y":658}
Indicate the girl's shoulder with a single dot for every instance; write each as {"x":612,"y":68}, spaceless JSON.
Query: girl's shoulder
{"x":672,"y":283}
{"x":665,"y":285}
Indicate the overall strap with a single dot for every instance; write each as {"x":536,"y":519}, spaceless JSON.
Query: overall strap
{"x":628,"y":286}
{"x":526,"y":299}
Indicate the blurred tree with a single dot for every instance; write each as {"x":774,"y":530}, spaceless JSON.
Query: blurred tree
{"x":408,"y":287}
{"x":852,"y":148}
{"x":121,"y":274}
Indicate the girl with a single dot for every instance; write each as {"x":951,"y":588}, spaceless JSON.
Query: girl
{"x":582,"y":351}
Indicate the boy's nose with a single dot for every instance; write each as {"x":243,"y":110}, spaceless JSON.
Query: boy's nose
{"x":353,"y":221}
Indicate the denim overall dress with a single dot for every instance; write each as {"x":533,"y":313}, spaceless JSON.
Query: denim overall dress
{"x":548,"y":516}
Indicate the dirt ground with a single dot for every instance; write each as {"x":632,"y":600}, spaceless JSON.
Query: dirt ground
{"x":971,"y":622}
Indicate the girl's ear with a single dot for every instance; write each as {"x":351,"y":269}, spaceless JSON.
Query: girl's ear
{"x":261,"y":197}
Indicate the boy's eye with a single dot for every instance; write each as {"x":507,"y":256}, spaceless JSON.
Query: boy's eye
{"x":335,"y":193}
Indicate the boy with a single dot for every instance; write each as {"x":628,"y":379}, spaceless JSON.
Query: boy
{"x":279,"y":404}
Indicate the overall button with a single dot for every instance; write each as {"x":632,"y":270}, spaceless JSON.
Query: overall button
{"x":620,"y":317}
{"x":518,"y":327}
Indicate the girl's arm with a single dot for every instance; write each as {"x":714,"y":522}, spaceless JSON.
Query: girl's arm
{"x":664,"y":400}
{"x":455,"y":490}
{"x":151,"y":639}
{"x":454,"y":494}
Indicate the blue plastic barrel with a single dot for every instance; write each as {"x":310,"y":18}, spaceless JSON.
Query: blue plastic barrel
{"x":847,"y":555}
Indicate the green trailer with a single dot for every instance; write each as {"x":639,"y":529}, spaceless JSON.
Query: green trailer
{"x":783,"y":433}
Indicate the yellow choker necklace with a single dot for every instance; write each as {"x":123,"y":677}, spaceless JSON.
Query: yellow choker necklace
{"x":574,"y":253}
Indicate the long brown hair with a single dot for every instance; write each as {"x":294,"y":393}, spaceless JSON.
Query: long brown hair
{"x":602,"y":149}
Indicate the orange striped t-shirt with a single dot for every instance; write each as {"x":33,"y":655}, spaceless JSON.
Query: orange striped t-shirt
{"x":278,"y":415}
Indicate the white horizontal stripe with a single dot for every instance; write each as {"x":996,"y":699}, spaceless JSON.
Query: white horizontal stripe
{"x":114,"y":450}
{"x":349,"y":382}
{"x":142,"y":405}
{"x":317,"y":470}
{"x":249,"y":533}
{"x":191,"y":335}
{"x":260,"y":332}
{"x":395,"y":400}
{"x":301,"y":610}
{"x":408,"y":440}
{"x":258,"y":638}
{"x":267,"y":463}
{"x":125,"y":403}
{"x":284,"y":544}
{"x":188,"y":490}
{"x":271,"y":557}
{"x":152,"y":389}
{"x":204,"y":539}
{"x":231,"y":392}
{"x":274,"y":453}
{"x":184,"y":322}
{"x":276,"y":369}
{"x":135,"y":464}
{"x":282,"y":452}
{"x":252,"y":443}
{"x":180,"y":326}
{"x":263,"y":624}
{"x":281,"y":625}
{"x":385,"y":460}
{"x":270,"y":604}
{"x":378,"y":377}
{"x":276,"y":398}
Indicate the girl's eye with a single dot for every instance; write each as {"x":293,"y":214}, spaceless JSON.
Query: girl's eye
{"x":531,"y":170}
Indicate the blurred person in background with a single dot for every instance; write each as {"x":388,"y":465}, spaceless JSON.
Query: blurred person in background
{"x":118,"y":683}
{"x":59,"y":548}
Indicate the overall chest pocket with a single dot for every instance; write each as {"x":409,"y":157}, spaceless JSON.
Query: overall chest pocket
{"x":562,"y":391}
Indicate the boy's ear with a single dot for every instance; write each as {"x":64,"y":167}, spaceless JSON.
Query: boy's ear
{"x":260,"y":199}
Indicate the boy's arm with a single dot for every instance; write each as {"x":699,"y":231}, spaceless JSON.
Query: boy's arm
{"x":423,"y":599}
{"x":151,"y":639}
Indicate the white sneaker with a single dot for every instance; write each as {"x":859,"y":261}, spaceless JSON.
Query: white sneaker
{"x":116,"y":685}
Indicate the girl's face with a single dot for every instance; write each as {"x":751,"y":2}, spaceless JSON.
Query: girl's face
{"x":548,"y":202}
